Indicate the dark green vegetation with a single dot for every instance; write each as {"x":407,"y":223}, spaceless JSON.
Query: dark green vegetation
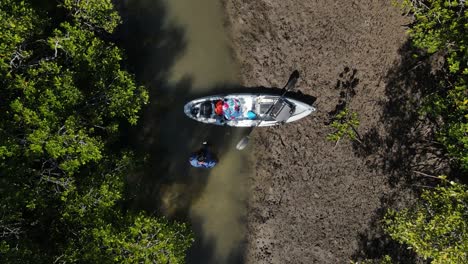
{"x":63,"y":96}
{"x":436,"y":227}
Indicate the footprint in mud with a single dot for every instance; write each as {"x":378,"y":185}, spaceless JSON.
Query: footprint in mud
{"x":346,"y":85}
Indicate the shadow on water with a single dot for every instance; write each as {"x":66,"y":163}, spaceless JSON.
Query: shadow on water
{"x":151,"y":44}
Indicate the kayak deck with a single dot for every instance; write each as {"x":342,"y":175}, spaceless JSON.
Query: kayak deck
{"x":285,"y":110}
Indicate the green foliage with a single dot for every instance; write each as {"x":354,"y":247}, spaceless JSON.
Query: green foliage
{"x":345,"y":124}
{"x":441,"y":26}
{"x":16,"y":27}
{"x":106,"y":234}
{"x":95,"y":14}
{"x":437,"y":227}
{"x":77,"y":73}
{"x":63,"y":95}
{"x":142,"y":239}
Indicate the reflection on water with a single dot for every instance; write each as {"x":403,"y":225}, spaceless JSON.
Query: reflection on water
{"x":179,"y":50}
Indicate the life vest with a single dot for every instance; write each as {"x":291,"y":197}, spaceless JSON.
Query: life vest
{"x":219,"y":107}
{"x":208,"y":162}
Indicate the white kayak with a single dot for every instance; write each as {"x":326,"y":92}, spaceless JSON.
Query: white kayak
{"x":251,"y":110}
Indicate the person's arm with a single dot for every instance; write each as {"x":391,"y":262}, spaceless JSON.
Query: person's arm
{"x":220,"y":120}
{"x":210,"y":164}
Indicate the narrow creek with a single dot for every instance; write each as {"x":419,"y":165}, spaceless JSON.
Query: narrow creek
{"x":179,"y":49}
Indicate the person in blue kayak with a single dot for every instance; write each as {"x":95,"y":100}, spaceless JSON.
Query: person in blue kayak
{"x":203,"y":158}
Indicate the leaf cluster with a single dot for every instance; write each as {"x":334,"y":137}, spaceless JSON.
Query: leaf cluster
{"x":345,"y":123}
{"x":441,"y":27}
{"x":436,"y":227}
{"x":63,"y":97}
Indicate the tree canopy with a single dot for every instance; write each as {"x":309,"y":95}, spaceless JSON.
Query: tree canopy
{"x":441,"y":26}
{"x":63,"y":95}
{"x":436,"y":227}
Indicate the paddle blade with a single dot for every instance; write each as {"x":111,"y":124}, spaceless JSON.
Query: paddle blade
{"x":292,"y":81}
{"x":242,"y":143}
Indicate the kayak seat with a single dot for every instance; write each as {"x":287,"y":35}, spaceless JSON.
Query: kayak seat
{"x":206,"y":109}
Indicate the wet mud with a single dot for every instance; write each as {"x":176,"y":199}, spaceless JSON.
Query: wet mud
{"x":311,"y":200}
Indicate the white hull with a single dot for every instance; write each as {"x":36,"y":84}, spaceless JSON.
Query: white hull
{"x":261,"y":104}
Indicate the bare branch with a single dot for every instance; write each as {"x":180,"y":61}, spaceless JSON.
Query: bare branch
{"x":427,"y":175}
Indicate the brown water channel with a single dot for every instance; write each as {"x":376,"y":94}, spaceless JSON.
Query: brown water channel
{"x":179,"y":49}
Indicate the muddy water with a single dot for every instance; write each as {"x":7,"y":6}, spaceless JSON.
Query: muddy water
{"x":218,"y":211}
{"x":181,"y":52}
{"x":206,"y":57}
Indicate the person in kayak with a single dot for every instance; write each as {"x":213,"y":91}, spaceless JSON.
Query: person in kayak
{"x":227,"y":109}
{"x":203,"y":158}
{"x":219,"y":112}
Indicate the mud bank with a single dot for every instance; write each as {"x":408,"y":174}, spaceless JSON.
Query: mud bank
{"x":311,"y":200}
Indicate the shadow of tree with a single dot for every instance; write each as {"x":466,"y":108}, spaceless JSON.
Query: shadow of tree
{"x":402,"y":145}
{"x":151,"y":43}
{"x":405,"y":143}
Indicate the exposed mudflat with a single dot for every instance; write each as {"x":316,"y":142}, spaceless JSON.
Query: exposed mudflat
{"x":312,"y":200}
